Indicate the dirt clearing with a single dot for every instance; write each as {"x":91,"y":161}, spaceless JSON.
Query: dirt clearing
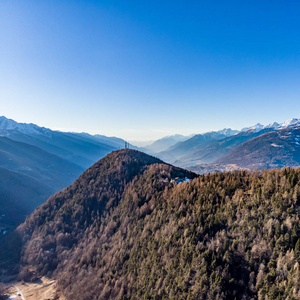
{"x":43,"y":289}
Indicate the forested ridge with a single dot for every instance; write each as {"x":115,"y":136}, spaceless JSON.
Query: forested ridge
{"x":128,"y":229}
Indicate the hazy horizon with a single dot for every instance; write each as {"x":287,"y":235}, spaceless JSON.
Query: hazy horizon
{"x":144,"y":142}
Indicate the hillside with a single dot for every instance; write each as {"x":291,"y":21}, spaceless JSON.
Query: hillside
{"x":127,"y":229}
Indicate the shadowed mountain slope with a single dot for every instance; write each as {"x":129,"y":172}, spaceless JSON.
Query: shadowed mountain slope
{"x":20,"y":194}
{"x":37,"y":163}
{"x":29,"y":176}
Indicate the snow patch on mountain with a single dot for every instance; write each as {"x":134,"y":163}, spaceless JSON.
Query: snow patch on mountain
{"x":277,"y":146}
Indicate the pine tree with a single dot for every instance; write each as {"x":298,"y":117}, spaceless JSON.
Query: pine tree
{"x":297,"y":250}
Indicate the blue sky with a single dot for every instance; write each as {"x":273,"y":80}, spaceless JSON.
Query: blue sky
{"x":145,"y":69}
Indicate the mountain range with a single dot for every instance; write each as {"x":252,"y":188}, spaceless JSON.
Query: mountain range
{"x":256,"y":147}
{"x":50,"y":160}
{"x":39,"y":162}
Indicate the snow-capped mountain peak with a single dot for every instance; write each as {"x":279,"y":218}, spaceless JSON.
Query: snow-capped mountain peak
{"x":290,"y":122}
{"x":228,"y":131}
{"x":276,"y":126}
{"x":7,"y":126}
{"x":255,"y":128}
{"x":273,"y":125}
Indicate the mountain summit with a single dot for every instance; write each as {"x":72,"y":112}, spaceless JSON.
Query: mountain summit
{"x":119,"y":190}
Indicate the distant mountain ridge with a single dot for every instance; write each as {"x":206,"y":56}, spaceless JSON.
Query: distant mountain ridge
{"x":46,"y":160}
{"x":276,"y":126}
{"x":8,"y":125}
{"x":274,"y":149}
{"x":215,"y":152}
{"x":175,"y":153}
{"x":82,"y":149}
{"x":165,"y":143}
{"x":168,"y":143}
